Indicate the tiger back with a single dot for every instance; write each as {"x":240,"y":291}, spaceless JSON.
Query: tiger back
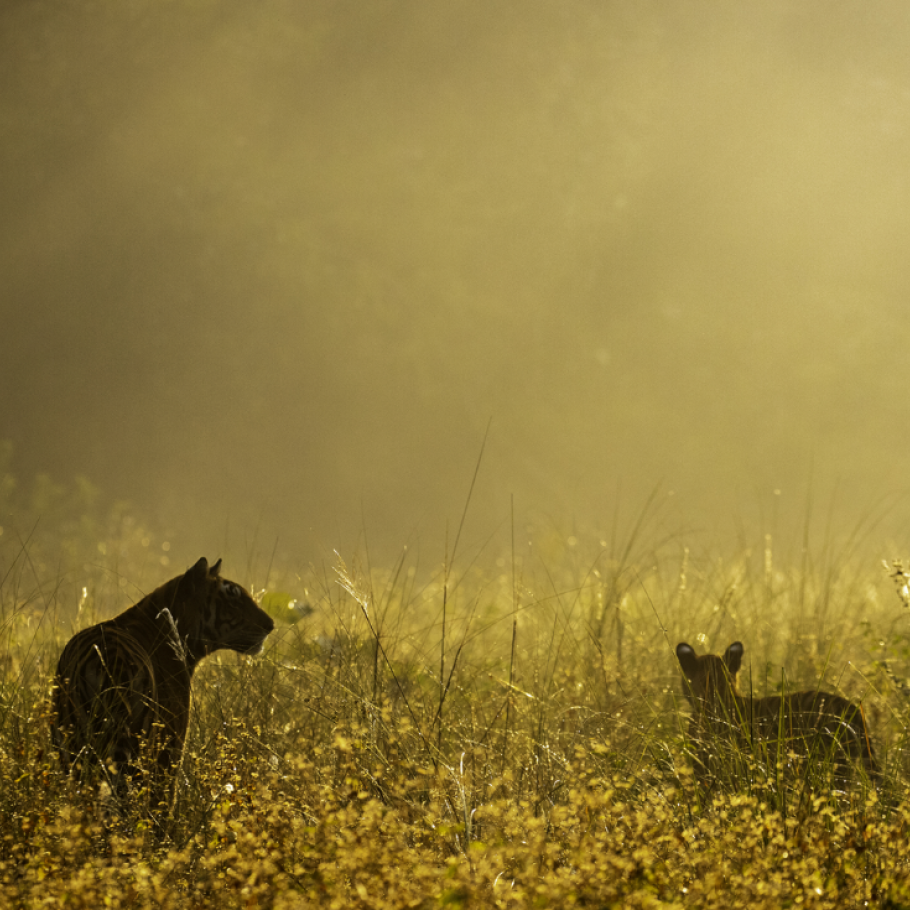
{"x":815,"y":724}
{"x":121,"y":694}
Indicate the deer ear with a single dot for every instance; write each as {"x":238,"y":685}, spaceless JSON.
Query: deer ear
{"x":215,"y":569}
{"x":688,"y":659}
{"x":733,"y":657}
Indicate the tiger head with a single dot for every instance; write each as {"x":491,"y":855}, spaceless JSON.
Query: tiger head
{"x":211,"y":613}
{"x":710,"y":681}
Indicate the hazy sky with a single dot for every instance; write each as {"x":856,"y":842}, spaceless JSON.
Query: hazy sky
{"x":283,"y":262}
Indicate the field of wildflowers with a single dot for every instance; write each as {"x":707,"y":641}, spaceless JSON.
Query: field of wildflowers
{"x":499,"y":731}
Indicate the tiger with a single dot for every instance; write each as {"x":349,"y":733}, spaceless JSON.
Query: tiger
{"x":121,"y":693}
{"x":810,"y":723}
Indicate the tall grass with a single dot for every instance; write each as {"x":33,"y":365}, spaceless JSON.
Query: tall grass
{"x":530,"y":752}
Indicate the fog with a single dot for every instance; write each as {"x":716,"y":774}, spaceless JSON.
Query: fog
{"x":286,"y":265}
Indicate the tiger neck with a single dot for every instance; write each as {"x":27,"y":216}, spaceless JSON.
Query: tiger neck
{"x":730,"y":705}
{"x":156,"y":627}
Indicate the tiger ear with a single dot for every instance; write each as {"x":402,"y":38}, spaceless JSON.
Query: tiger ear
{"x":197,"y":575}
{"x":688,"y":659}
{"x":215,"y":569}
{"x":733,"y":657}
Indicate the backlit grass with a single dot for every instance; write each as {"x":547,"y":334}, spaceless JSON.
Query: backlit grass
{"x":502,"y":730}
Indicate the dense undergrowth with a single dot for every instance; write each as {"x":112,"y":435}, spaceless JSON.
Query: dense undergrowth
{"x":502,"y":732}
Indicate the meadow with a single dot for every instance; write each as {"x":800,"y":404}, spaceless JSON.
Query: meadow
{"x":497,"y":729}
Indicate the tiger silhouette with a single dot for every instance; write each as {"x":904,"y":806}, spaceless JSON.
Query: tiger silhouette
{"x":811,"y":723}
{"x":121,"y":695}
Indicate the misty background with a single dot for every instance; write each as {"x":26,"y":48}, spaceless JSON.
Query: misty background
{"x":282,"y":264}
